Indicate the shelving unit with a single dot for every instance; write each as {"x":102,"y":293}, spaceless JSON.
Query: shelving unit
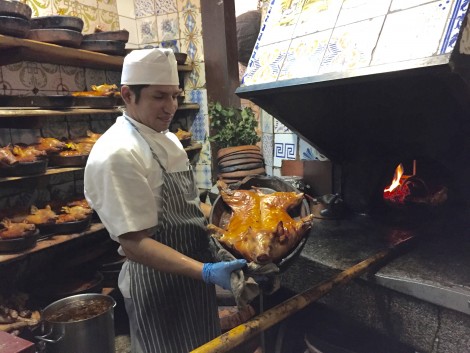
{"x":15,"y":112}
{"x":16,"y":50}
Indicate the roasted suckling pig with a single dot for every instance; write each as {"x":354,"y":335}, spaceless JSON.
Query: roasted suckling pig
{"x":41,"y":216}
{"x":76,"y":149}
{"x":260,"y":228}
{"x":50,"y":144}
{"x":27,"y":153}
{"x":6,"y":156}
{"x":73,"y":214}
{"x":103,"y":90}
{"x":13,"y":230}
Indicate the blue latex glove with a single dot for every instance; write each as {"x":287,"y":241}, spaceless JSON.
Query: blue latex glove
{"x":219,"y":272}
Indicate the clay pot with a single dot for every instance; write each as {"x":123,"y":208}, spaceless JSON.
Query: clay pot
{"x":236,"y":163}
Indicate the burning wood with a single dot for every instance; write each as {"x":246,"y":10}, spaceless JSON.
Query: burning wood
{"x":406,"y":189}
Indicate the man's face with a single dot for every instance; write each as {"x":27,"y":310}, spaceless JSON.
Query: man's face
{"x":156,"y":107}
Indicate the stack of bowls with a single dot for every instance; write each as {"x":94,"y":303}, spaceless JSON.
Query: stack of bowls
{"x":107,"y":42}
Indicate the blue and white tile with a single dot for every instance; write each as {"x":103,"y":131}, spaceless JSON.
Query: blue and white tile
{"x":147,"y":31}
{"x":108,"y":5}
{"x":411,"y":34}
{"x":200,"y":125}
{"x":453,"y":26}
{"x":205,"y":156}
{"x":193,"y":46}
{"x":406,"y":4}
{"x":309,"y":153}
{"x":305,"y":55}
{"x":285,"y":147}
{"x":359,"y":10}
{"x":196,"y":79}
{"x":165,"y":6}
{"x":317,"y":16}
{"x":172,"y":44}
{"x":280,"y":128}
{"x":266,"y":63}
{"x":267,"y":146}
{"x":190,"y":23}
{"x":167,"y":26}
{"x":203,"y":176}
{"x":281,"y":23}
{"x":349,"y":48}
{"x":144,"y":8}
{"x":269,"y":170}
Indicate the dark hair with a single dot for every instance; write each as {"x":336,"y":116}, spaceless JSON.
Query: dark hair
{"x":136,"y":89}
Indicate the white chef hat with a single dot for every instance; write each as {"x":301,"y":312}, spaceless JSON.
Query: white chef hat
{"x":154,"y":66}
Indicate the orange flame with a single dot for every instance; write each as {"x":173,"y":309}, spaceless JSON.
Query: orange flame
{"x":396,"y":178}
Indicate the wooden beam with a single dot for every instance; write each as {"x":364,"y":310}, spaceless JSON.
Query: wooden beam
{"x":220,"y":51}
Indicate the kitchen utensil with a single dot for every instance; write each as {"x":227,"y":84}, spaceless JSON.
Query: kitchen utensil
{"x":111,"y":47}
{"x":15,"y":9}
{"x":27,"y":241}
{"x":24,"y":168}
{"x":57,"y":22}
{"x":121,"y":35}
{"x":64,"y":37}
{"x":57,"y":160}
{"x":62,"y":332}
{"x":51,"y":102}
{"x":14,"y":26}
{"x":66,"y":227}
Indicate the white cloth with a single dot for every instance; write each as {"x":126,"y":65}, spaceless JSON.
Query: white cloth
{"x":155,"y":66}
{"x":123,"y":181}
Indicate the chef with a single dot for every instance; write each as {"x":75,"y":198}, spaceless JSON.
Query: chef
{"x":140,"y":182}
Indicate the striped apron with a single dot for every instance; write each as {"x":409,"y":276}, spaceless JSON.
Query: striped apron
{"x":175,"y":314}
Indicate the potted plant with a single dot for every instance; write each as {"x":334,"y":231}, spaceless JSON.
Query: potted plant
{"x":233,"y":132}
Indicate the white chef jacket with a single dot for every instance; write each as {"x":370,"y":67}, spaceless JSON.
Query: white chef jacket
{"x":123,"y":181}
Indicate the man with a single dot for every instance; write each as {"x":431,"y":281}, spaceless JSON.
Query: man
{"x":139,"y":181}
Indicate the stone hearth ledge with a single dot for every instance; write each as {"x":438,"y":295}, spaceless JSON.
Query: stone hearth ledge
{"x":420,"y":297}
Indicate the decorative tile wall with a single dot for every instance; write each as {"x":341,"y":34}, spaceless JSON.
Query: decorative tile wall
{"x":308,"y":37}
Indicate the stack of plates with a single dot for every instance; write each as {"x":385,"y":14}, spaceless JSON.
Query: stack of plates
{"x":14,"y":18}
{"x":60,"y":30}
{"x":110,"y":42}
{"x":236,"y":163}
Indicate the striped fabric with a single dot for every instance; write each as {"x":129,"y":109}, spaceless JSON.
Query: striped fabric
{"x":176,"y":314}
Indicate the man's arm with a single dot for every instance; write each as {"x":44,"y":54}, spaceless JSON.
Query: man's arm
{"x":140,"y":247}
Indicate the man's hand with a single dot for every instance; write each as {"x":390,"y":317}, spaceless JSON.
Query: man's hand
{"x":219,"y":272}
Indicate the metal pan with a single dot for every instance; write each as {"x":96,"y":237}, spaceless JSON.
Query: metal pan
{"x":64,"y":37}
{"x":221,"y":212}
{"x":64,"y":228}
{"x":15,"y":9}
{"x":14,"y":26}
{"x":58,"y":101}
{"x":67,"y":161}
{"x":97,"y":102}
{"x":111,"y":47}
{"x":57,"y":22}
{"x":24,"y":168}
{"x":181,"y":58}
{"x":27,"y":241}
{"x":122,"y":36}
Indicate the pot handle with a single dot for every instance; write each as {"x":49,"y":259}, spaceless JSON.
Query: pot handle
{"x":48,"y":340}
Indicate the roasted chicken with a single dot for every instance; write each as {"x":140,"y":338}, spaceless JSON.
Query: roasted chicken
{"x":260,"y":228}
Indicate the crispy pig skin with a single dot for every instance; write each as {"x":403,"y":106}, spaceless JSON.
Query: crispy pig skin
{"x":260,"y":228}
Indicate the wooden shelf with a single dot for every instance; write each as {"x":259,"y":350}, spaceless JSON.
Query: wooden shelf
{"x":15,"y":112}
{"x":49,"y":171}
{"x":53,"y":241}
{"x":16,"y":49}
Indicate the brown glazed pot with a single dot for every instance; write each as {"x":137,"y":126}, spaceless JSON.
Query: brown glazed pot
{"x":238,"y":162}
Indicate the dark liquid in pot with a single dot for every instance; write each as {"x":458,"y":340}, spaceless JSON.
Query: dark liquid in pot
{"x":79,"y":310}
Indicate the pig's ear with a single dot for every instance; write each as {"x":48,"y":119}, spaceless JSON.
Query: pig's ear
{"x":281,"y":232}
